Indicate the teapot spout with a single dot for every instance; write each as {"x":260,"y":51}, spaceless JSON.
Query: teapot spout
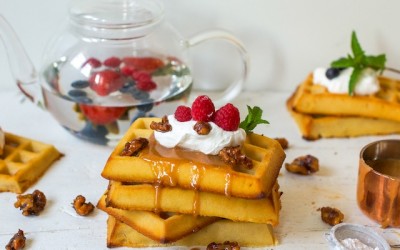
{"x":20,"y":64}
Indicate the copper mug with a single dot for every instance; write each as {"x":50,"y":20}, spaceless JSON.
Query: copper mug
{"x":378,"y":189}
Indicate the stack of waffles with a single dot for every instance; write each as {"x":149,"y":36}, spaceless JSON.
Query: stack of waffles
{"x":319,"y":113}
{"x":23,"y":161}
{"x":175,"y":198}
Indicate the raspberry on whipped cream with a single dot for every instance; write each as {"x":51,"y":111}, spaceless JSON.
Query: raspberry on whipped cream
{"x":183,"y":135}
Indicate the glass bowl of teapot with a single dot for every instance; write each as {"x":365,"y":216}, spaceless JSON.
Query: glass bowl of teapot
{"x":115,"y":61}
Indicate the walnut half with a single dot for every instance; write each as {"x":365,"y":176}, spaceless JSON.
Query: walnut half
{"x":17,"y":242}
{"x":162,"y":126}
{"x":31,"y":204}
{"x":304,"y":165}
{"x":81,"y":207}
{"x":132,"y":148}
{"x":331,"y":216}
{"x":234,"y":157}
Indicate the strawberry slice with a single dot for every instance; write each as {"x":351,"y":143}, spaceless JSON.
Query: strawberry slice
{"x":148,"y":64}
{"x":105,"y":82}
{"x":102,"y":115}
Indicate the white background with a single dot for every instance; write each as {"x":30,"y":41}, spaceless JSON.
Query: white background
{"x":285,"y":39}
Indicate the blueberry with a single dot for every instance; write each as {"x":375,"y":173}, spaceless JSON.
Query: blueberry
{"x":140,"y":95}
{"x":145,"y":107}
{"x":76,"y":93}
{"x":80,"y":84}
{"x":332,"y":73}
{"x":83,"y":99}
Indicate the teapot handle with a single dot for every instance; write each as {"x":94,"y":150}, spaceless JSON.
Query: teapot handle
{"x":21,"y":66}
{"x":235,"y":87}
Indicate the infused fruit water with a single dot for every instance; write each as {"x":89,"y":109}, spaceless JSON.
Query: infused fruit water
{"x":98,"y":99}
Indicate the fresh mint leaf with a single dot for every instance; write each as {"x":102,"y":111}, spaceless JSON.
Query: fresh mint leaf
{"x":355,"y":46}
{"x":342,"y":63}
{"x":359,"y":61}
{"x":253,"y":118}
{"x":376,"y":62}
{"x":353,"y":80}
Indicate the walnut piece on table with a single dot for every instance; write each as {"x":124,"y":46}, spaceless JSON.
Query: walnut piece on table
{"x":303,"y":165}
{"x":81,"y":207}
{"x":17,"y":242}
{"x":133,"y":147}
{"x":234,"y":157}
{"x":227,"y":245}
{"x":31,"y":204}
{"x":331,"y":216}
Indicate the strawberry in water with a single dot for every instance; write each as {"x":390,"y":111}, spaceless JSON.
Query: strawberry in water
{"x":105,"y":82}
{"x":148,"y":64}
{"x":93,"y":62}
{"x":102,"y":115}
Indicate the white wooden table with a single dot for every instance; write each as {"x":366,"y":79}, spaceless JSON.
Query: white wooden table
{"x":78,"y":172}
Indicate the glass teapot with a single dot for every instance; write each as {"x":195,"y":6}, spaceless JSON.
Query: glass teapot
{"x":116,"y":61}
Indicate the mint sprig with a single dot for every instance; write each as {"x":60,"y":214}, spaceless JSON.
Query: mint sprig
{"x":252,"y":119}
{"x":359,"y":61}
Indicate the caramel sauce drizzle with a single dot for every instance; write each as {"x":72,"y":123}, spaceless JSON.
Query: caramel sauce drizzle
{"x":164,"y":161}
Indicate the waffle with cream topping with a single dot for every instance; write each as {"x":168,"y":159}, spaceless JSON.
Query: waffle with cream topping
{"x":314,"y":99}
{"x":267,"y":156}
{"x":23,"y":162}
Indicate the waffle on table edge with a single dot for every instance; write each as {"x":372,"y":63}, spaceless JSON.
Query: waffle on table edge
{"x":313,"y":127}
{"x":23,"y":162}
{"x":246,"y":233}
{"x":314,"y":99}
{"x":267,"y":156}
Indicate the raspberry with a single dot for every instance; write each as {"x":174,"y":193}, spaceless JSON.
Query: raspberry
{"x":183,"y":113}
{"x":127,"y":70}
{"x":203,"y":109}
{"x":227,"y":117}
{"x":146,"y":85}
{"x":112,"y":62}
{"x":141,"y":76}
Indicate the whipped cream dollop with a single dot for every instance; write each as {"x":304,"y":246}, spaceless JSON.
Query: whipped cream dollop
{"x":2,"y":141}
{"x":183,"y":135}
{"x":367,"y":83}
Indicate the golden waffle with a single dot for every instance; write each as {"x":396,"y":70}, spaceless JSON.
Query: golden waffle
{"x":316,"y":100}
{"x":186,"y":201}
{"x":267,"y":156}
{"x":23,"y":162}
{"x":245,"y":233}
{"x":166,"y":228}
{"x":313,"y":127}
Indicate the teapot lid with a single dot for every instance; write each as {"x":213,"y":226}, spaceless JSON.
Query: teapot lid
{"x":115,"y":19}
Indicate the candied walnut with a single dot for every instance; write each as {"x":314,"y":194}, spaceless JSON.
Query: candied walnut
{"x":227,"y":245}
{"x":132,"y":148}
{"x":31,"y":204}
{"x":202,"y":128}
{"x":162,"y":126}
{"x":304,"y":165}
{"x":233,"y":156}
{"x":331,"y":216}
{"x":81,"y":207}
{"x":284,"y":143}
{"x":17,"y":241}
